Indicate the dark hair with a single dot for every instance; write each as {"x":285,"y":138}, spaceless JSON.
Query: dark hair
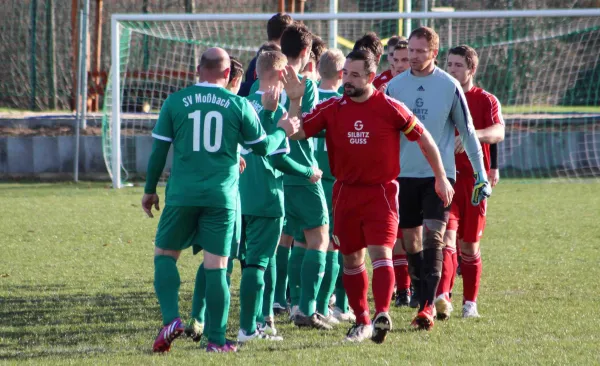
{"x":370,"y":42}
{"x":393,"y":41}
{"x":402,"y":45}
{"x":318,"y":48}
{"x":277,"y":24}
{"x":468,"y":53}
{"x":294,"y":39}
{"x":366,"y":56}
{"x":237,"y":69}
{"x":429,"y":34}
{"x":269,"y":46}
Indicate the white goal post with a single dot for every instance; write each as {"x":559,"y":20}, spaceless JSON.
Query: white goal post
{"x":330,"y":22}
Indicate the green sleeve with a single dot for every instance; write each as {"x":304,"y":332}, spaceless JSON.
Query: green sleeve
{"x":163,"y":130}
{"x":287,"y":165}
{"x":156,"y":164}
{"x":269,"y":144}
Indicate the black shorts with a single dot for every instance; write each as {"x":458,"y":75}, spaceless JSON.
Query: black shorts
{"x":418,"y":202}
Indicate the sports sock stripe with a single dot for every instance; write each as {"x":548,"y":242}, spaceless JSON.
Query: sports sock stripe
{"x":382,"y":263}
{"x":354,"y":271}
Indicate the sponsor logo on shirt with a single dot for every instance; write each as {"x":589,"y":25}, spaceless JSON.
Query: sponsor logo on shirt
{"x":421,"y":88}
{"x":419,"y":111}
{"x":358,"y":137}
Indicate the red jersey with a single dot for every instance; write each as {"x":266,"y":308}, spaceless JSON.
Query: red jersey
{"x":382,"y":79}
{"x":485,"y":110}
{"x":363,"y":139}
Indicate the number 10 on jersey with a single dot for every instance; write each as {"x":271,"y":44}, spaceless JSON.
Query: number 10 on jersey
{"x":212,"y":116}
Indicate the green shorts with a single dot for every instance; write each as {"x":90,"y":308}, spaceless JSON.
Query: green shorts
{"x":260,"y":239}
{"x":209,"y":228}
{"x":328,"y":188}
{"x":305,"y":208}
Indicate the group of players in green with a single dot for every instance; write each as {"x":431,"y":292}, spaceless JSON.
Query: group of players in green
{"x":278,"y":223}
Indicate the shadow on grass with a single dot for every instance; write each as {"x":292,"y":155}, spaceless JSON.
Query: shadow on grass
{"x":34,"y":325}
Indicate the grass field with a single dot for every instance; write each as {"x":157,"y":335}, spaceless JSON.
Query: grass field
{"x":76,"y":286}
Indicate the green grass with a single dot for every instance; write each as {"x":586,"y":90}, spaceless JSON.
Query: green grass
{"x":76,"y":286}
{"x":514,"y":109}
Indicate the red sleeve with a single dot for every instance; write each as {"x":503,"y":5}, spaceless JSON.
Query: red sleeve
{"x":493,"y":110}
{"x":316,"y":120}
{"x":405,"y":120}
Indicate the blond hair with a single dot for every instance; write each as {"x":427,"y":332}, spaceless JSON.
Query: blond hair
{"x":270,"y":61}
{"x":331,"y":62}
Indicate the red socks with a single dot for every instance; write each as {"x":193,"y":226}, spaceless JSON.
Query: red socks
{"x":471,"y":273}
{"x":448,"y":272}
{"x":356,"y":284}
{"x":401,"y":272}
{"x":383,"y":284}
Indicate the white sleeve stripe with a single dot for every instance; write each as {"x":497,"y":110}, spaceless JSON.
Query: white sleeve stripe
{"x":280,"y":151}
{"x":163,"y":138}
{"x":256,"y":141}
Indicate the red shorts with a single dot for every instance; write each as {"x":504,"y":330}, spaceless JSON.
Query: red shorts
{"x":364,"y":215}
{"x":467,"y":220}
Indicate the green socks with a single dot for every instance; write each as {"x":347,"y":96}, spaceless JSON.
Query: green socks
{"x":332,"y":269}
{"x":166,"y":285}
{"x":217,"y":305}
{"x":282,"y":259}
{"x":269,"y":295}
{"x":198,"y":299}
{"x":313,"y":271}
{"x":295,"y":274}
{"x":251,"y":293}
{"x":341,"y":300}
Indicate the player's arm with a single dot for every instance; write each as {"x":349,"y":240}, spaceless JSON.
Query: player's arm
{"x":494,"y":131}
{"x":282,"y":162}
{"x":464,"y":124}
{"x":254,"y":135}
{"x":494,"y":175}
{"x":163,"y":137}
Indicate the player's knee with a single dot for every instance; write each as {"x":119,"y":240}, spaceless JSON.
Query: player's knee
{"x":399,"y":247}
{"x":354,"y":260}
{"x":412,"y":240}
{"x":433,"y":233}
{"x":469,"y":249}
{"x":213,"y":261}
{"x":379,"y":252}
{"x":450,"y":239}
{"x":168,"y":253}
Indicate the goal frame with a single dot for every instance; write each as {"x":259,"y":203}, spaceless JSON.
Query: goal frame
{"x":332,"y":17}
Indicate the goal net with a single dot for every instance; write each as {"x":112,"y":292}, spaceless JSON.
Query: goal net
{"x":544,"y":67}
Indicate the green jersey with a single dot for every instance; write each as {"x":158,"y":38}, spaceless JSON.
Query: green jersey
{"x":319,"y":142}
{"x":205,"y":122}
{"x":261,"y":185}
{"x":301,"y":151}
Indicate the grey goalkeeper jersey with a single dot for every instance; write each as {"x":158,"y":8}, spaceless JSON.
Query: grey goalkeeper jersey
{"x":439,"y":102}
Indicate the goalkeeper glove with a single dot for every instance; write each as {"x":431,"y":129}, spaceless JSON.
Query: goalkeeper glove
{"x":482,"y":189}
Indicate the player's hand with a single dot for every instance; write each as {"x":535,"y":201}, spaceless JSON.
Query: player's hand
{"x":458,"y":146}
{"x":270,"y":98}
{"x":290,"y":125}
{"x":149,"y":200}
{"x":242,"y":165}
{"x":382,"y":87}
{"x":494,"y":177}
{"x":481,"y":191}
{"x":444,"y":190}
{"x":317,"y":174}
{"x":294,"y":87}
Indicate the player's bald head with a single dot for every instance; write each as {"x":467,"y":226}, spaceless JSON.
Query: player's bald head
{"x":215,"y":59}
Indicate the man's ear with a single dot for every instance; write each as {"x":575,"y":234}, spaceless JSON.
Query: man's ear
{"x":372,"y":77}
{"x":226,"y":73}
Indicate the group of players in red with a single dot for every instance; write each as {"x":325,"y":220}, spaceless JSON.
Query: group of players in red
{"x":366,"y":190}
